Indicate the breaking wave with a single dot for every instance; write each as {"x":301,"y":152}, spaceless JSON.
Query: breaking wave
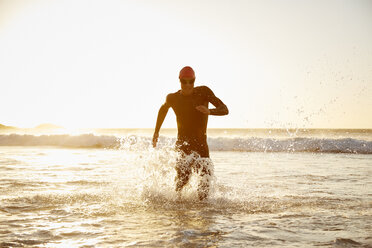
{"x":246,"y":144}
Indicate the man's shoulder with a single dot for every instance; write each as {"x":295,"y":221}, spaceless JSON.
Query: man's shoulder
{"x":203,"y":89}
{"x":172,"y":96}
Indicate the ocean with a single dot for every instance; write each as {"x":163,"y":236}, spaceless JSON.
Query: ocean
{"x":111,"y":188}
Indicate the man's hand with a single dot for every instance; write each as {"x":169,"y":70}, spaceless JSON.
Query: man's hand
{"x":155,"y":139}
{"x":203,"y":109}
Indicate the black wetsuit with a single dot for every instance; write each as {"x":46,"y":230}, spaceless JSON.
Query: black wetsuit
{"x":191,"y":123}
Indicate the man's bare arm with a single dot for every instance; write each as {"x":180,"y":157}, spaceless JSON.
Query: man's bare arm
{"x":161,"y":116}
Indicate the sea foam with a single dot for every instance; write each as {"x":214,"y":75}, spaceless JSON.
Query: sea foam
{"x":246,"y":144}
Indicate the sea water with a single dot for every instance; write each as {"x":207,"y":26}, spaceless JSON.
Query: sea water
{"x":110,"y":188}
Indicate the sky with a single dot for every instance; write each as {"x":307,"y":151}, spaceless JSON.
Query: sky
{"x":110,"y":64}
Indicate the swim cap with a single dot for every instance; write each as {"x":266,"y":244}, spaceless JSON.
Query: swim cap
{"x":187,"y":72}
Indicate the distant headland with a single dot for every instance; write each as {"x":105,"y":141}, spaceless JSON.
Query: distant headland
{"x":6,"y":127}
{"x":44,"y":126}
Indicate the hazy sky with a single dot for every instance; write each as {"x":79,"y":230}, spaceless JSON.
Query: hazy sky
{"x":291,"y":63}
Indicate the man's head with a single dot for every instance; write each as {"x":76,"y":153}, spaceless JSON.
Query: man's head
{"x":187,"y":79}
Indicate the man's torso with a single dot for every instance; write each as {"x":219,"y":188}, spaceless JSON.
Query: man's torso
{"x":191,"y":123}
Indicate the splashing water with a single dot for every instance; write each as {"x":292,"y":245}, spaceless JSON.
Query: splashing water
{"x":157,"y":172}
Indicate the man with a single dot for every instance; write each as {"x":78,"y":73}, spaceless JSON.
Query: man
{"x":190,"y":104}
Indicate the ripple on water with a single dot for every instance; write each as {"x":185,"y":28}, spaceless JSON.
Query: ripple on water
{"x":344,"y":242}
{"x":86,"y":182}
{"x":38,"y":237}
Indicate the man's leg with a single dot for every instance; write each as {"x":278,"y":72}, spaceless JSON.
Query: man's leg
{"x":183,"y":173}
{"x":204,"y":168}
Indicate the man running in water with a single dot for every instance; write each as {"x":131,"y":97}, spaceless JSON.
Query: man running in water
{"x":190,"y":104}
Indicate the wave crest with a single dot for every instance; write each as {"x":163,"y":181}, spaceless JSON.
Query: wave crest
{"x":249,"y":144}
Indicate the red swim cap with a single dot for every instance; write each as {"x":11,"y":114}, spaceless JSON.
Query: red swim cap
{"x":187,"y":72}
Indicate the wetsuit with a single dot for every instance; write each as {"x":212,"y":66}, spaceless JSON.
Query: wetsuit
{"x":192,"y":134}
{"x":191,"y":123}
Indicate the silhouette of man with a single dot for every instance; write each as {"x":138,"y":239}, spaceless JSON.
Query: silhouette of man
{"x":190,"y":104}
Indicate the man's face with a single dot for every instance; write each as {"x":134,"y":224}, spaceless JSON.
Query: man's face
{"x":187,"y":85}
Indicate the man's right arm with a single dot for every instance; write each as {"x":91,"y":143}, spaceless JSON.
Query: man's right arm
{"x":161,"y":116}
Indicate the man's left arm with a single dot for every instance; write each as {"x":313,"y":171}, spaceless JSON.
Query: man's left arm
{"x":220,"y":107}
